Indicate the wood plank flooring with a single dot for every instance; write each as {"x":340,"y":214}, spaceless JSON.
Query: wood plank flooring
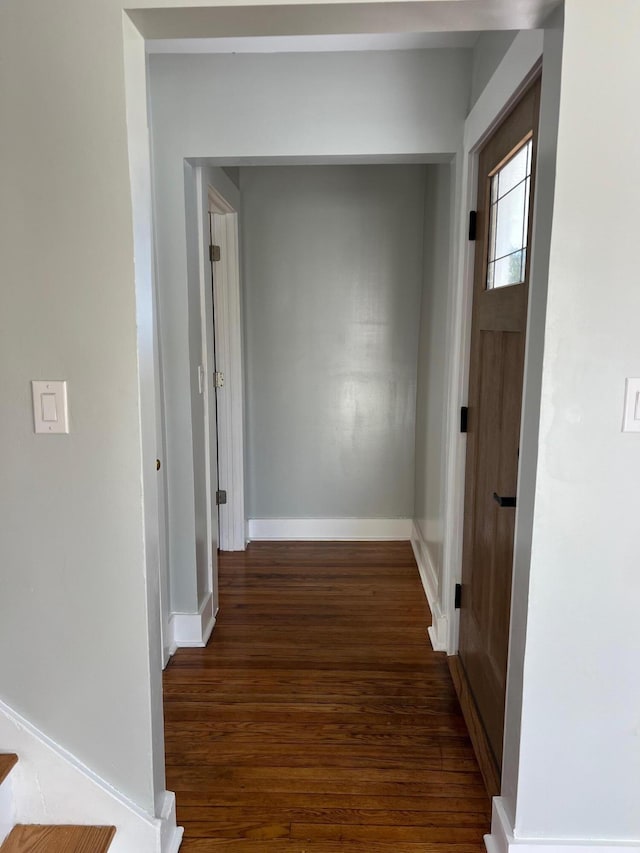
{"x":8,"y":760}
{"x":58,"y":839}
{"x":319,"y":719}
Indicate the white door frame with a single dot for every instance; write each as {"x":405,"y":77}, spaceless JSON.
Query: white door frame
{"x":228,"y":345}
{"x":163,"y":545}
{"x":209,"y":606}
{"x":513,"y":75}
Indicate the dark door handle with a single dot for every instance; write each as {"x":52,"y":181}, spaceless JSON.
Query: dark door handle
{"x":502,"y":501}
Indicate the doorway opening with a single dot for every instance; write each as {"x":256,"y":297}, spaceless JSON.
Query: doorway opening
{"x":278,"y":522}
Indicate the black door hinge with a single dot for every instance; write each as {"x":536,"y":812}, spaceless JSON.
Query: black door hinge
{"x":214,"y":253}
{"x":221,"y":497}
{"x":464,"y":419}
{"x":457,"y":601}
{"x":473,"y":224}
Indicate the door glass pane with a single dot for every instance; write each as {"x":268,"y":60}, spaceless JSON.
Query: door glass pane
{"x":509,"y":270}
{"x":509,"y":220}
{"x":514,"y":171}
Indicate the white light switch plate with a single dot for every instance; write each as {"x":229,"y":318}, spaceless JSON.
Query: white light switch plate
{"x":631,"y":422}
{"x":50,"y":412}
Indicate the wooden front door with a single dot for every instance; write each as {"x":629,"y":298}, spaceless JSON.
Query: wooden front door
{"x":500,"y":299}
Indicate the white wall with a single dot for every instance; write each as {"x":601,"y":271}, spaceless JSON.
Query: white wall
{"x":580,"y":750}
{"x":433,"y":361}
{"x":332,"y":278}
{"x":74,"y":611}
{"x":317,"y":104}
{"x":323,"y":106}
{"x":543,"y":219}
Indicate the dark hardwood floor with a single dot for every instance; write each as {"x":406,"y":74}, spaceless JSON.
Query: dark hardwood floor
{"x":318,"y":719}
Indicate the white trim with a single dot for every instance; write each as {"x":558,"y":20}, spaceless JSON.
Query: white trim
{"x":192,"y":630}
{"x":503,"y":840}
{"x":227,"y":302}
{"x":50,"y":785}
{"x":160,"y":425}
{"x":139,"y":150}
{"x":439,"y":629}
{"x":170,"y":833}
{"x":218,"y":203}
{"x":332,"y":529}
{"x":511,"y":77}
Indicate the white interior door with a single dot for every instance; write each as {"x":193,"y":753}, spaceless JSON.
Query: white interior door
{"x":228,"y":359}
{"x":210,"y":414}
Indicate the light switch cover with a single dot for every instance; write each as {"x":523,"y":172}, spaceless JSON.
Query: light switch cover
{"x":50,"y":413}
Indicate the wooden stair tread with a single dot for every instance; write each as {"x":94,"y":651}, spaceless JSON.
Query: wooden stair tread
{"x":7,"y":761}
{"x":34,"y":838}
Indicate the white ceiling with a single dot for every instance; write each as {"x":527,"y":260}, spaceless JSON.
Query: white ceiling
{"x":313,"y":43}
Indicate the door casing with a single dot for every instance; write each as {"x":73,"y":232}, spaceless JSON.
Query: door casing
{"x":227,"y":310}
{"x":521,"y":65}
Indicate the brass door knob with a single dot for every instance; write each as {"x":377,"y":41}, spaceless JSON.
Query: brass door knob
{"x":158,"y":464}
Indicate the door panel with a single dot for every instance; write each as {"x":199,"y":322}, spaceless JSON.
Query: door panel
{"x":499,"y":322}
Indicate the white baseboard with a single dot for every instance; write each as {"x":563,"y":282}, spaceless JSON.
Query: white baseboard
{"x":50,"y":785}
{"x":7,"y":808}
{"x":170,"y":833}
{"x":439,"y":630}
{"x":502,"y":839}
{"x":192,"y":630}
{"x":331,"y":529}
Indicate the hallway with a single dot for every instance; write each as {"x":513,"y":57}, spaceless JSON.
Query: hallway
{"x":319,"y":719}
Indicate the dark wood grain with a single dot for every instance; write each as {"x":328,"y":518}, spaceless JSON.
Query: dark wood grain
{"x":488,"y":766}
{"x":8,"y":760}
{"x":496,"y":369}
{"x":319,"y":718}
{"x":58,"y":839}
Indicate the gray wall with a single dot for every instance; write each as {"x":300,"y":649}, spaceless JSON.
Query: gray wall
{"x":233,"y":173}
{"x":75,"y":612}
{"x":332,"y":279}
{"x":487,"y":55}
{"x":431,"y":407}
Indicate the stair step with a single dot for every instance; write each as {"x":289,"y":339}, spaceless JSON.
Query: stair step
{"x":7,"y":761}
{"x":26,"y":838}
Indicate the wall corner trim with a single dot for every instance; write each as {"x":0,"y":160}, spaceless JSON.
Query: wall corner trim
{"x":50,"y":785}
{"x":439,"y":630}
{"x":329,"y":529}
{"x":503,"y":840}
{"x":170,"y":833}
{"x":192,"y":630}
